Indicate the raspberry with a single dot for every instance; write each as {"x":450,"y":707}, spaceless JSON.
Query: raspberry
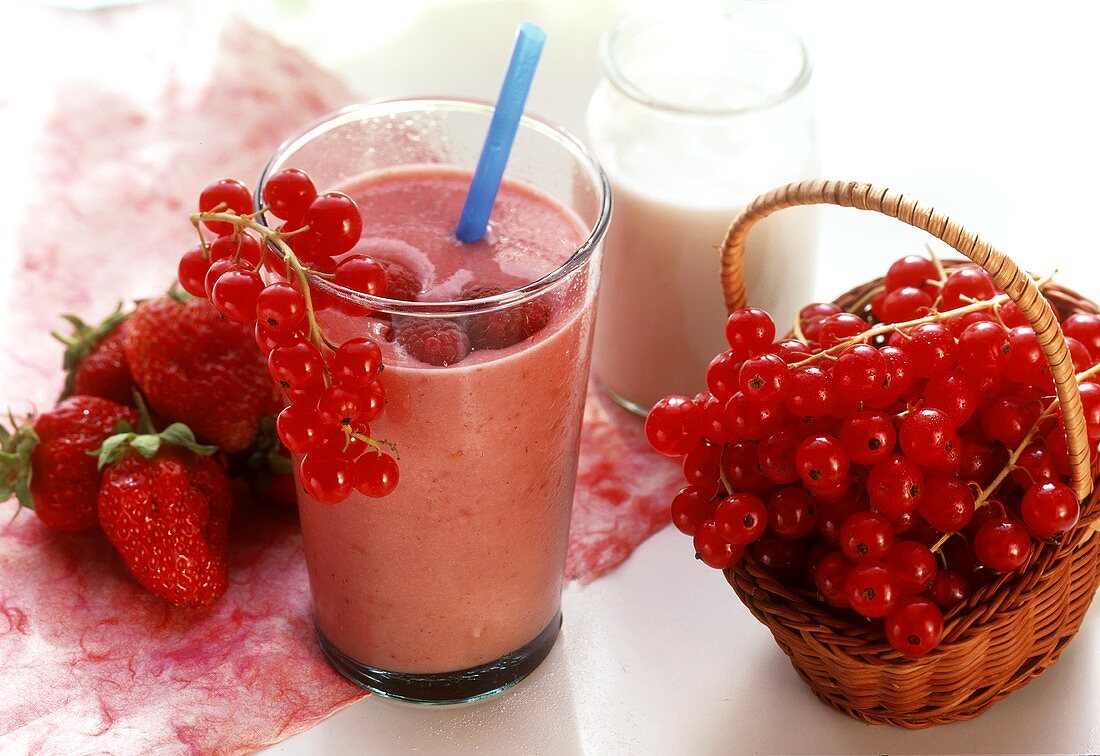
{"x":503,"y":328}
{"x":439,"y":343}
{"x":401,"y":283}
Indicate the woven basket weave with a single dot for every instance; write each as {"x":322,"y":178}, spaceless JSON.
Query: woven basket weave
{"x":1011,"y":629}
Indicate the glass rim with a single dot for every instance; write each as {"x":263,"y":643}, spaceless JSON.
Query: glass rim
{"x":621,"y":82}
{"x":390,"y":105}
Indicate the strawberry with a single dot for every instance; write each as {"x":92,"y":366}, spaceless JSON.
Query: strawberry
{"x":94,"y":360}
{"x":47,"y":465}
{"x":503,"y":328}
{"x":436,"y":342}
{"x":164,"y":504}
{"x":196,"y":367}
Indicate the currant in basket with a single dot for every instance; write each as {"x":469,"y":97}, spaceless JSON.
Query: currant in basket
{"x":888,"y":459}
{"x":334,"y":390}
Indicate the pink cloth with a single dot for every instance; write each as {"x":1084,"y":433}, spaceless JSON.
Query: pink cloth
{"x":90,"y":662}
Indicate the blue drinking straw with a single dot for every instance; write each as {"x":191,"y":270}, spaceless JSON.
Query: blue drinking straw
{"x":474,"y":220}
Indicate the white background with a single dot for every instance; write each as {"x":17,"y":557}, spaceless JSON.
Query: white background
{"x":985,"y":110}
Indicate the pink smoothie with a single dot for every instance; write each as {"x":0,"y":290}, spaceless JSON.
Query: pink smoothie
{"x":463,"y":563}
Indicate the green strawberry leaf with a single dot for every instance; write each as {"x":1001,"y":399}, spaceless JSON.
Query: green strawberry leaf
{"x":16,"y":449}
{"x":147,"y":445}
{"x":82,"y":341}
{"x":180,"y":435}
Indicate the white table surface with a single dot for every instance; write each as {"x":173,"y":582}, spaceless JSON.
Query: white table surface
{"x":985,"y":110}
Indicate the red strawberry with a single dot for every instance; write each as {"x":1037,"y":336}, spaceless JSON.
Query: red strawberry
{"x":503,"y":328}
{"x":436,"y":342}
{"x":94,"y":359}
{"x":401,"y":283}
{"x":47,"y":465}
{"x":164,"y":503}
{"x":196,"y":367}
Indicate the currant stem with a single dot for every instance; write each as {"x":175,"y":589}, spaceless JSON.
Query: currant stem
{"x":1049,"y":412}
{"x":934,"y":317}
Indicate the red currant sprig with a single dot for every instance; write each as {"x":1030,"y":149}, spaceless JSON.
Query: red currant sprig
{"x":334,"y":389}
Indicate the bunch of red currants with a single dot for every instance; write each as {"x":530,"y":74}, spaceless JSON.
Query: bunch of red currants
{"x":892,"y":461}
{"x":333,"y":390}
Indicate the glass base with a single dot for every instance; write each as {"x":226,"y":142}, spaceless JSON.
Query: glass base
{"x":623,"y":402}
{"x":463,"y":686}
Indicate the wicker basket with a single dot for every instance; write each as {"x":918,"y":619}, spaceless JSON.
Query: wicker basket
{"x":1011,"y":629}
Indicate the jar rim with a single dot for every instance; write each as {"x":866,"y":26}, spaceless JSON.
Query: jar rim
{"x":635,"y":21}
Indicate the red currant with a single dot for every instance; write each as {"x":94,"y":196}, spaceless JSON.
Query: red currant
{"x":296,"y":367}
{"x":280,"y":307}
{"x":242,"y":248}
{"x":215,"y":272}
{"x":954,"y":393}
{"x":895,"y":486}
{"x":776,"y":455}
{"x":674,"y":426}
{"x":927,"y":435}
{"x":701,"y":465}
{"x":763,"y":378}
{"x":1050,"y":509}
{"x":289,"y":193}
{"x":791,"y":513}
{"x":872,"y":589}
{"x":714,"y":550}
{"x":784,"y":558}
{"x":337,"y":405}
{"x":965,"y":286}
{"x":791,"y":350}
{"x":947,"y":503}
{"x":811,"y":392}
{"x":235,"y":294}
{"x":1026,"y":363}
{"x":914,"y":566}
{"x":299,"y":428}
{"x":334,"y":219}
{"x":821,"y":461}
{"x":375,"y":474}
{"x":192,"y":271}
{"x":1035,"y":465}
{"x":1090,"y":401}
{"x":911,"y":270}
{"x":867,"y":436}
{"x":866,"y":536}
{"x":722,"y":375}
{"x":839,"y":328}
{"x":816,"y":313}
{"x":1003,"y":545}
{"x":950,"y":587}
{"x":741,"y":519}
{"x":226,"y":195}
{"x":914,"y":627}
{"x":859,"y":370}
{"x":1008,"y":419}
{"x":749,"y":331}
{"x":373,"y":398}
{"x":930,"y":346}
{"x":357,"y":362}
{"x":326,"y":477}
{"x":268,"y":340}
{"x":691,"y":507}
{"x":1084,"y":327}
{"x":984,"y":347}
{"x":830,"y":575}
{"x":906,"y":303}
{"x":741,"y":465}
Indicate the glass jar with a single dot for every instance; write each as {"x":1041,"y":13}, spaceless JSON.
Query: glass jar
{"x":697,"y":113}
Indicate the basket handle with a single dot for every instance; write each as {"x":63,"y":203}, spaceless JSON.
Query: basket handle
{"x":1006,"y":274}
